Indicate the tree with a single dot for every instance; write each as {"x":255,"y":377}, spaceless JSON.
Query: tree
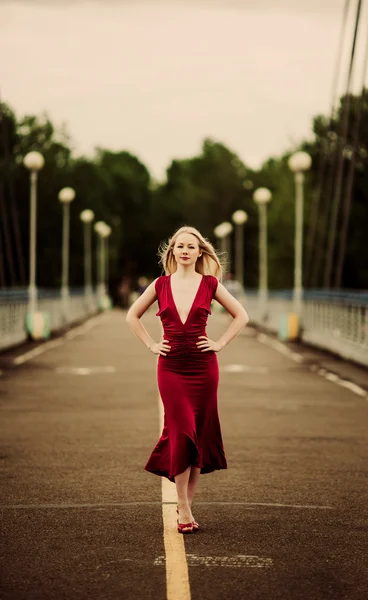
{"x":203,"y":191}
{"x":38,"y":133}
{"x":326,"y":149}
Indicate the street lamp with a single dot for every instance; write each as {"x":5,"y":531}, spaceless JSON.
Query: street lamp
{"x":262,"y":196}
{"x":103,"y":231}
{"x":87,"y":217}
{"x":34,"y":162}
{"x":99,"y":229}
{"x":106,"y":236}
{"x":298,"y":163}
{"x":223,"y":232}
{"x":239,"y":217}
{"x":66,"y":196}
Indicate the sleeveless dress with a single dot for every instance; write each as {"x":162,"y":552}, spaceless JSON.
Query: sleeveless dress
{"x":187,"y":381}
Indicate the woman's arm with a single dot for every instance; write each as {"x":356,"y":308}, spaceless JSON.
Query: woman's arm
{"x":240,"y":319}
{"x":133,"y":319}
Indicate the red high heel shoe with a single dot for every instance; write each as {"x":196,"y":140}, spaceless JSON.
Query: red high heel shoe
{"x":194,"y":523}
{"x":185,"y":527}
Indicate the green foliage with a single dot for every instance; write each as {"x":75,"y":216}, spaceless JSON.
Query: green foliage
{"x":276,"y":176}
{"x":202,"y":191}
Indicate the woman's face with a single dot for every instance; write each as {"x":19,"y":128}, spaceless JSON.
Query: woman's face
{"x":186,"y":249}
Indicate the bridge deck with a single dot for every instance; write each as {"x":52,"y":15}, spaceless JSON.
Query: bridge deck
{"x":82,"y":519}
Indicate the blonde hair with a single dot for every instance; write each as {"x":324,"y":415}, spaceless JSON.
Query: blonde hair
{"x":209,"y":263}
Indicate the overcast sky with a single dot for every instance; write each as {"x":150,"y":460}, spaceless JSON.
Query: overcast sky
{"x":157,"y":77}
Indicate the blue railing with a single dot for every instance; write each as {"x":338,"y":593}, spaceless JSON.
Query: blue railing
{"x":341,"y":296}
{"x":21,"y":294}
{"x":14,"y":306}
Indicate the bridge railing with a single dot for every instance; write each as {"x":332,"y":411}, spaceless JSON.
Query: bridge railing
{"x":13,"y":310}
{"x":334,"y":321}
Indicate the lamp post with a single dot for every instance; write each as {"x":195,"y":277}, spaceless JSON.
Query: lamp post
{"x":34,"y":162}
{"x":87,"y":217}
{"x":218,"y":233}
{"x":106,"y":241}
{"x":239,"y":217}
{"x":103,"y":231}
{"x":66,"y":196}
{"x":228,"y":228}
{"x":298,"y":163}
{"x":222,"y":232}
{"x":99,"y":228}
{"x":262,"y":196}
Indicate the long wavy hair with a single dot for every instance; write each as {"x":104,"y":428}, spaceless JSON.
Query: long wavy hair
{"x":209,"y":263}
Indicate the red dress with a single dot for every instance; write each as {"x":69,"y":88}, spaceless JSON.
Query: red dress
{"x":188,"y":382}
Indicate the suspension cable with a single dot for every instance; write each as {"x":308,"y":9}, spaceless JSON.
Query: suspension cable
{"x":351,"y":174}
{"x":340,"y":154}
{"x":323,"y":163}
{"x":12,"y":198}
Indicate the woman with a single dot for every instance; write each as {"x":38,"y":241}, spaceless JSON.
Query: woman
{"x":188,"y":374}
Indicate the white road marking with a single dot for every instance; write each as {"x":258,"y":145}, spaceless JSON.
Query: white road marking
{"x":234,"y":368}
{"x":334,"y":378}
{"x":22,"y":358}
{"x":277,"y":345}
{"x":331,"y":377}
{"x":84,"y":370}
{"x":177,"y":576}
{"x":238,"y":561}
{"x":19,"y":360}
{"x":70,"y":335}
{"x":102,"y":505}
{"x":353,"y":387}
{"x":281,"y":505}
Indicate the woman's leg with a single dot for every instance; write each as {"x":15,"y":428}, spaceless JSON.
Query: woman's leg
{"x":193,"y":482}
{"x":192,"y":485}
{"x":181,"y":482}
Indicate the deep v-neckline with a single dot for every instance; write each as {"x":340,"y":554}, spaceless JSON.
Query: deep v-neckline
{"x":192,"y":305}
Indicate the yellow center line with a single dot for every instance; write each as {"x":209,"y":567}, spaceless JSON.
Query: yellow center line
{"x":177,"y":576}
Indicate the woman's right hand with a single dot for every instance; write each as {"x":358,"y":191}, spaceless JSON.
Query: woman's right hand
{"x":161,"y":348}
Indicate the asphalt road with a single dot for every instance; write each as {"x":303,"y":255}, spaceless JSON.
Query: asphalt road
{"x":81,"y":519}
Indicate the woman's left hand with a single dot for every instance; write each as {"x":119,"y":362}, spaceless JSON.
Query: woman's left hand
{"x":206,"y":344}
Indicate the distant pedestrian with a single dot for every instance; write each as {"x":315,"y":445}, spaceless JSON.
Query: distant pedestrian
{"x":142,"y":284}
{"x":124,"y":290}
{"x":188,"y":374}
